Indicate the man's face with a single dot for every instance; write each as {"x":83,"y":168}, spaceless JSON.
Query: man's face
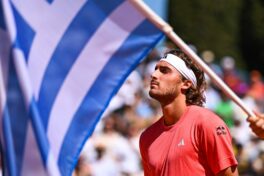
{"x":165,"y":82}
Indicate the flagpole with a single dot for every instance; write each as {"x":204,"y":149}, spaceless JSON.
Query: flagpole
{"x":167,"y":29}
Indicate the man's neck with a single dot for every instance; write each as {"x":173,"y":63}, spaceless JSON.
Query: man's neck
{"x":173,"y":111}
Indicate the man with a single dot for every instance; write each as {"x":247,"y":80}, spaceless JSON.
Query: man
{"x":257,"y":124}
{"x":188,"y":139}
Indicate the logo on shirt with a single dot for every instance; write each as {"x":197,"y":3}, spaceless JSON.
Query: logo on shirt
{"x":220,"y":130}
{"x":181,"y":143}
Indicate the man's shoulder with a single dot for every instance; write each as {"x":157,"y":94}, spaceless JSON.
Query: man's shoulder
{"x":201,"y":111}
{"x":202,"y":114}
{"x":150,"y":133}
{"x":153,"y":127}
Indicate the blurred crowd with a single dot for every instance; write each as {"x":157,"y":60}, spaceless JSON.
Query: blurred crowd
{"x":113,"y":147}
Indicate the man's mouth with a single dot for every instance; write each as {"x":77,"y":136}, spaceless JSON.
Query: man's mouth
{"x":153,"y":83}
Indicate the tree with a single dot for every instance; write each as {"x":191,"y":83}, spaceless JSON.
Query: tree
{"x":252,"y":33}
{"x":208,"y":24}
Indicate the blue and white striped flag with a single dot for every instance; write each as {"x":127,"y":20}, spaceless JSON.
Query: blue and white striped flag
{"x":61,"y":63}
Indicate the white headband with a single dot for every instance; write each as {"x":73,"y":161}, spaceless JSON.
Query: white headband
{"x":180,"y":65}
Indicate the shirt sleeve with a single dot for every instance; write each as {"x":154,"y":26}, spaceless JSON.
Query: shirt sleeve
{"x":215,"y":143}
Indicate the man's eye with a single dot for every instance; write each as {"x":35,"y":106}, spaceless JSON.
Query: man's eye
{"x":164,"y":70}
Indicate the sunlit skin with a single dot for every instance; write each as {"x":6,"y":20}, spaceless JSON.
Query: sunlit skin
{"x":168,"y":87}
{"x":257,"y":124}
{"x":164,"y":84}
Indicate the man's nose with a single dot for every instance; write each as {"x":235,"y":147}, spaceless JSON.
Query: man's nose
{"x":155,"y":74}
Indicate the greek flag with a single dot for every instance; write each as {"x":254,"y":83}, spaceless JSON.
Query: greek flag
{"x":61,"y":62}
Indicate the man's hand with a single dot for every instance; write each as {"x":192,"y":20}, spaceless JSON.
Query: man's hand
{"x":257,"y":124}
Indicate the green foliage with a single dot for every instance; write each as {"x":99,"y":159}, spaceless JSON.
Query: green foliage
{"x":252,"y":33}
{"x":208,"y":24}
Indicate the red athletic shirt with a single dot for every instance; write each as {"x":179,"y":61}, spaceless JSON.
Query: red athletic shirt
{"x":198,"y":144}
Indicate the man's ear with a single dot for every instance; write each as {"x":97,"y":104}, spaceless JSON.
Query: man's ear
{"x":186,"y":85}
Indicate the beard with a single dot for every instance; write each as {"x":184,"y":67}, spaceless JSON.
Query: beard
{"x":168,"y":95}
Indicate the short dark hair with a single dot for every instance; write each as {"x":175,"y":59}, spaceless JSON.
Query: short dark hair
{"x":194,"y":95}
